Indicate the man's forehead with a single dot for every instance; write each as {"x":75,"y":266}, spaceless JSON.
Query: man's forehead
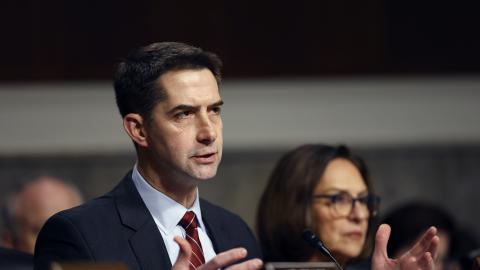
{"x":189,"y":87}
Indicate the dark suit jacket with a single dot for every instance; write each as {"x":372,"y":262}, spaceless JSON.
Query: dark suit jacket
{"x":118,"y":227}
{"x":15,"y":260}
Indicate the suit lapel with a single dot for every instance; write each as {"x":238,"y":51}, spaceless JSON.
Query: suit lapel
{"x":215,"y":228}
{"x":149,"y":248}
{"x":146,"y":241}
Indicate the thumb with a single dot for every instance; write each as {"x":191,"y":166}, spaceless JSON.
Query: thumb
{"x":184,"y":254}
{"x":381,"y":241}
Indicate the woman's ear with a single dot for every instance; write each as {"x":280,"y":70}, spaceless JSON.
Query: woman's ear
{"x":134,"y":125}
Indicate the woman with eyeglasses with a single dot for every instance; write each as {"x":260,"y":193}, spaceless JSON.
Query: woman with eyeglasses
{"x":325,"y":189}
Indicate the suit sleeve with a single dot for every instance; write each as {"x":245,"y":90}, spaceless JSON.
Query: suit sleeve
{"x":60,"y":240}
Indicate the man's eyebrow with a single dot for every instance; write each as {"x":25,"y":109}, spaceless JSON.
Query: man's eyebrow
{"x":181,"y":107}
{"x":216,"y":104}
{"x":185,"y":107}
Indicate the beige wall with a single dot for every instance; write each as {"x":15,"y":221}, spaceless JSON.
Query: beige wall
{"x":82,"y":117}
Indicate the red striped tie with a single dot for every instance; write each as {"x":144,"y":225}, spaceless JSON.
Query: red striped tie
{"x":189,"y":223}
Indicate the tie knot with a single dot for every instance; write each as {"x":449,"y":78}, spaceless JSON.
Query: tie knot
{"x":188,"y":221}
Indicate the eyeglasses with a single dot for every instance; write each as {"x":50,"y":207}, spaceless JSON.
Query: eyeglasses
{"x":343,"y":203}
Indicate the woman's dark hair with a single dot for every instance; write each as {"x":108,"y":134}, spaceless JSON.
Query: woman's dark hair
{"x":285,"y":207}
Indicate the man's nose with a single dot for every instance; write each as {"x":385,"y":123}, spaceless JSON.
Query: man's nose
{"x":206,"y":133}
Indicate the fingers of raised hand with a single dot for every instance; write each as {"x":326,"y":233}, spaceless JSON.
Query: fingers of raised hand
{"x":424,"y":262}
{"x":381,"y":240}
{"x":427,"y":261}
{"x":433,"y":249}
{"x":427,"y":243}
{"x":183,"y":260}
{"x":229,"y":257}
{"x":225,"y":258}
{"x":253,"y":264}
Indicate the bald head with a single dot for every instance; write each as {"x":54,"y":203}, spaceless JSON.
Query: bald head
{"x":32,"y":205}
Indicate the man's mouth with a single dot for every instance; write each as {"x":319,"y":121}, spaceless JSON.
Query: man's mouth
{"x":205,"y":158}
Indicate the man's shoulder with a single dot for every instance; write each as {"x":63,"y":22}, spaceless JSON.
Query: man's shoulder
{"x":99,"y":208}
{"x":95,"y":214}
{"x":95,"y":208}
{"x":99,"y":229}
{"x":93,"y":219}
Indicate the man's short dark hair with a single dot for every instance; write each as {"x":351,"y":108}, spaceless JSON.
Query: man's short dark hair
{"x":136,"y":79}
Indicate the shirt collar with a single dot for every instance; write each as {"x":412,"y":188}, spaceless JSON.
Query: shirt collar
{"x":165,"y":211}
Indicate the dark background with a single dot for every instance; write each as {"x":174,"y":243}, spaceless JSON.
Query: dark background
{"x":77,"y":40}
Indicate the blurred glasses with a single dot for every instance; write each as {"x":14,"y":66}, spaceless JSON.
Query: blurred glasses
{"x":342,"y":203}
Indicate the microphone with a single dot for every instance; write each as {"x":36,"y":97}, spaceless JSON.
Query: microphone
{"x":316,"y":243}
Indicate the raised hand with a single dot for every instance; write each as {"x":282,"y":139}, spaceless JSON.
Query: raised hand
{"x":220,"y":261}
{"x":419,"y":257}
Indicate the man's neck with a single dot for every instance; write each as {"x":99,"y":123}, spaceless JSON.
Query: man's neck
{"x":179,"y":189}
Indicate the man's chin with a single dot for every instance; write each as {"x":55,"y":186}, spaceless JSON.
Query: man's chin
{"x":204,"y":177}
{"x":202,"y":172}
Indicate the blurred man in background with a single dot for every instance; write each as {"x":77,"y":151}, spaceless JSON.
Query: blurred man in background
{"x":28,"y":207}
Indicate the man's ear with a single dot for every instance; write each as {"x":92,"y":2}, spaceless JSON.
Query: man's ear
{"x":134,"y":125}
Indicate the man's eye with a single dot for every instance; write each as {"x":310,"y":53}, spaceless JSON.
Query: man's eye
{"x":216,"y":110}
{"x":182,"y":115}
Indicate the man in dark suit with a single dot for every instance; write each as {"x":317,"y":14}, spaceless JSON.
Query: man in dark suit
{"x":15,"y":260}
{"x":168,"y":96}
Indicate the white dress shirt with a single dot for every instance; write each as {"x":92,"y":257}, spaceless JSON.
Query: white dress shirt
{"x":167,"y":213}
